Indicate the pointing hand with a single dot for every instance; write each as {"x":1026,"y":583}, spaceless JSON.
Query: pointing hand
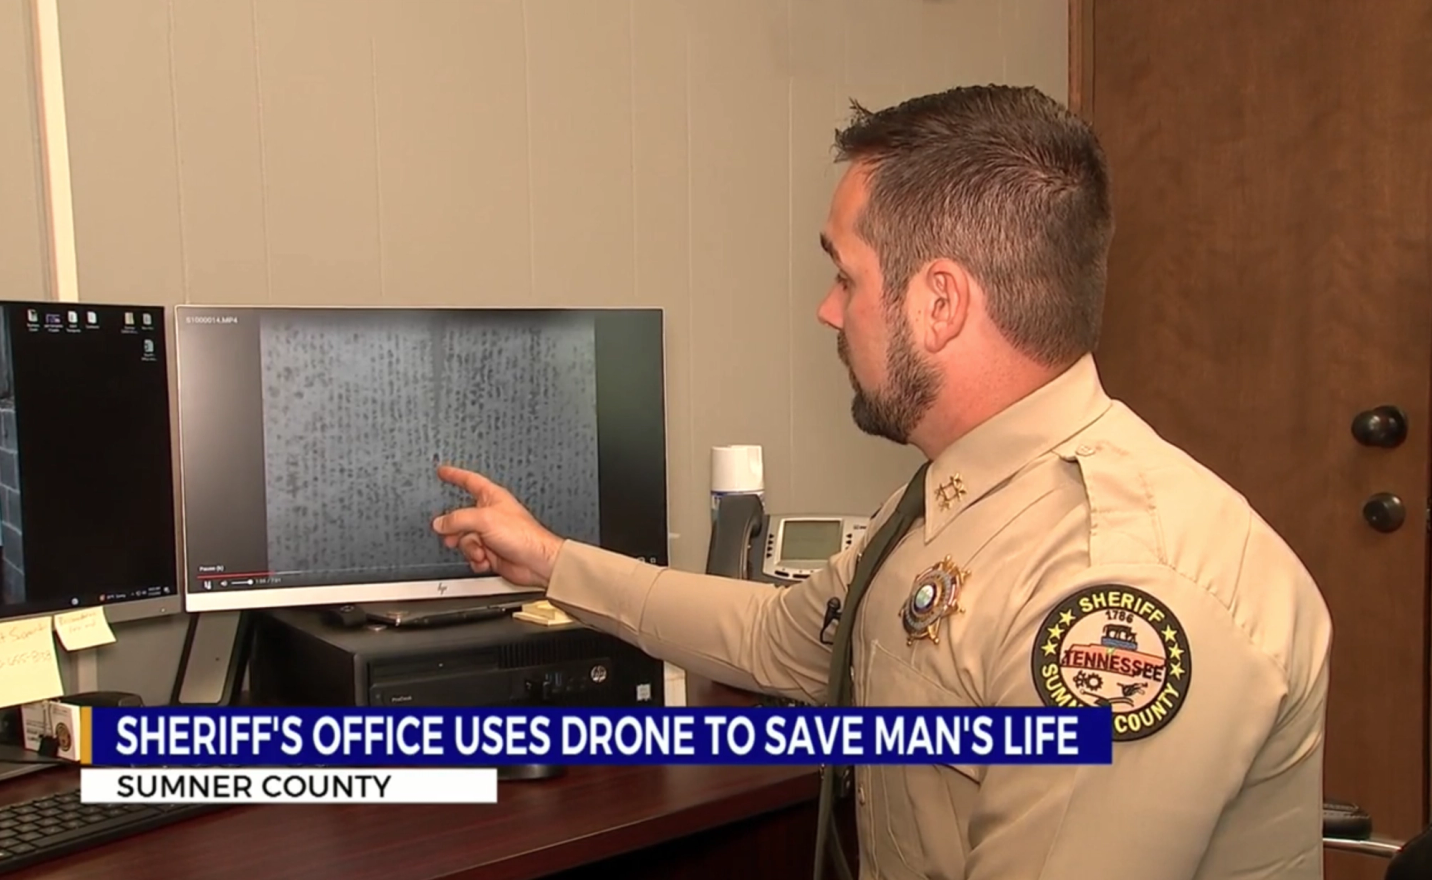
{"x":497,"y":534}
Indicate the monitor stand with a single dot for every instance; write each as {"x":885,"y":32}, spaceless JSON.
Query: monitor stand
{"x":424,"y":613}
{"x":445,"y":612}
{"x":16,"y":761}
{"x":529,"y":772}
{"x":214,"y":662}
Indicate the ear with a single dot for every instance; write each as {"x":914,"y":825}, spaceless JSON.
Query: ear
{"x":945,"y":303}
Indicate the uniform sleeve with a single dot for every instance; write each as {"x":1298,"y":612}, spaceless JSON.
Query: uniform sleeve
{"x":1194,"y":701}
{"x":748,"y":635}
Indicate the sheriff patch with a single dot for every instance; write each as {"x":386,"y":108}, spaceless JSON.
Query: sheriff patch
{"x":1114,"y":646}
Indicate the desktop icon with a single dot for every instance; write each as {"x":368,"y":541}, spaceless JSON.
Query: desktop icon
{"x":74,"y":317}
{"x":54,"y":320}
{"x":129,"y":318}
{"x":33,"y":316}
{"x":149,"y":346}
{"x":92,"y":318}
{"x":148,"y":319}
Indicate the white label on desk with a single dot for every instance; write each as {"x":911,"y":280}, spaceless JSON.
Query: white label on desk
{"x":279,"y":785}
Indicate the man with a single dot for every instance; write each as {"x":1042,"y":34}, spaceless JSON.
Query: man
{"x":1058,"y":551}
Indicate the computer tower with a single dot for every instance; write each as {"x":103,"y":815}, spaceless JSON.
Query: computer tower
{"x":300,"y":658}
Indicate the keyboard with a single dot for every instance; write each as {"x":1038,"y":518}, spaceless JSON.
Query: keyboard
{"x":50,"y":827}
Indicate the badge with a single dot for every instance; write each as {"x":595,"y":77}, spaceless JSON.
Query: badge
{"x":935,"y":594}
{"x":1119,"y":647}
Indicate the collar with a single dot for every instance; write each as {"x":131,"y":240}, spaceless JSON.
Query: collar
{"x":998,"y":448}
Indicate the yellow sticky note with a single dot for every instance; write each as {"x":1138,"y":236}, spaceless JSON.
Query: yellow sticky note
{"x":83,"y":629}
{"x":29,"y":669}
{"x":543,"y":613}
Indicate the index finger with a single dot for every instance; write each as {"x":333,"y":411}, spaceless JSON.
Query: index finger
{"x":474,"y":484}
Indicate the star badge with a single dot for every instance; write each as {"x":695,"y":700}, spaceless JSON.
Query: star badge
{"x":950,"y":491}
{"x":934,"y":596}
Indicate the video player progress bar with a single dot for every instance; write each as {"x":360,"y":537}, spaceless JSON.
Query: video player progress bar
{"x":308,"y":573}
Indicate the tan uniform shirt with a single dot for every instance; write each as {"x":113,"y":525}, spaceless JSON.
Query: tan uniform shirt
{"x":1100,"y":563}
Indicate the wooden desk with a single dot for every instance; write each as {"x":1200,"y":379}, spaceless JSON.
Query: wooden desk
{"x":632,"y":822}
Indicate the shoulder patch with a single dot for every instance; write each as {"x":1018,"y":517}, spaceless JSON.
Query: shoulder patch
{"x":1114,"y":646}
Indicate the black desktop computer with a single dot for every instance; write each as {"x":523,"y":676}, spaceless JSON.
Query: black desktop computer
{"x":309,"y":441}
{"x":498,"y":662}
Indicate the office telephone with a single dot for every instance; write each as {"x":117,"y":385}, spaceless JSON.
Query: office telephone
{"x":782,"y":549}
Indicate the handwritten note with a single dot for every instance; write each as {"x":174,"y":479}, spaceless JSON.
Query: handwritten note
{"x":29,"y":669}
{"x":83,"y":629}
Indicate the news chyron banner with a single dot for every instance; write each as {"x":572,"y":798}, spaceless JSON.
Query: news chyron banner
{"x":413,"y":755}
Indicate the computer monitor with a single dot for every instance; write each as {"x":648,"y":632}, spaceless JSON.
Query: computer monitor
{"x":86,"y":461}
{"x":309,"y":440}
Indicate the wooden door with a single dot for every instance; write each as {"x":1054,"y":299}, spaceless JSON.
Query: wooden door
{"x":1271,"y":278}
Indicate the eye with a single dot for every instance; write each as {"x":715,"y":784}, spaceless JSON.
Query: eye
{"x":842,"y":280}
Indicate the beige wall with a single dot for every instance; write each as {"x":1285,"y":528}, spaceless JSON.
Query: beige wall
{"x":24,"y":251}
{"x":497,"y":152}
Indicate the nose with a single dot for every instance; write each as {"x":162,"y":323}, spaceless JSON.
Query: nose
{"x":828,"y":312}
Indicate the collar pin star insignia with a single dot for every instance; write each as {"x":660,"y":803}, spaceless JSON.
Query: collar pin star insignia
{"x":950,"y":491}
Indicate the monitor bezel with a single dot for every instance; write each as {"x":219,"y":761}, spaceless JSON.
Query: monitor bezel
{"x":195,"y":599}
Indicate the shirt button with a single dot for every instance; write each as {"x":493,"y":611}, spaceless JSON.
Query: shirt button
{"x":860,"y":795}
{"x":1084,"y":450}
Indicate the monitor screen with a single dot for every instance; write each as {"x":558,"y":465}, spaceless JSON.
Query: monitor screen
{"x":811,"y":539}
{"x":86,"y":466}
{"x":310,"y":440}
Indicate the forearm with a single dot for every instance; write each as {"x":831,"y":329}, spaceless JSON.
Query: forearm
{"x":744,"y":634}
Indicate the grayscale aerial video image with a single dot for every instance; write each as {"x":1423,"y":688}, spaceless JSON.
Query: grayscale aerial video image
{"x":360,"y":407}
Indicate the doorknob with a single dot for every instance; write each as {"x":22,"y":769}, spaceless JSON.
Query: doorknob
{"x":1384,"y":426}
{"x":1385,"y":512}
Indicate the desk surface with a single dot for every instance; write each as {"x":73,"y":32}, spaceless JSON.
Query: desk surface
{"x":537,"y":828}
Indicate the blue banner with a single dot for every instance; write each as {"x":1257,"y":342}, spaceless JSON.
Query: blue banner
{"x":193,"y":737}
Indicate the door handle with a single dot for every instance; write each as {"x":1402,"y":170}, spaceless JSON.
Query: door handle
{"x":1385,"y":512}
{"x":1382,"y":426}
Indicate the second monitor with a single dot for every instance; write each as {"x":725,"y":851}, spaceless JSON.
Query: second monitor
{"x":309,"y":442}
{"x":86,"y":468}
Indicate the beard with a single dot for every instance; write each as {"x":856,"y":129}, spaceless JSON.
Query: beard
{"x":911,"y":386}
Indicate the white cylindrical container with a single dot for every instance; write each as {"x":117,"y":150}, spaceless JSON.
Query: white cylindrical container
{"x":736,"y":470}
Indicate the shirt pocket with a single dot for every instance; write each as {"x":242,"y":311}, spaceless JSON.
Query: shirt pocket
{"x":918,"y":807}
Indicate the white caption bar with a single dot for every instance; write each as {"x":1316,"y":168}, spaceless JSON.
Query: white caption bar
{"x":255,"y":785}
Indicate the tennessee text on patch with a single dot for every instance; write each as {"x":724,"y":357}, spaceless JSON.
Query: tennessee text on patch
{"x":1114,"y":646}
